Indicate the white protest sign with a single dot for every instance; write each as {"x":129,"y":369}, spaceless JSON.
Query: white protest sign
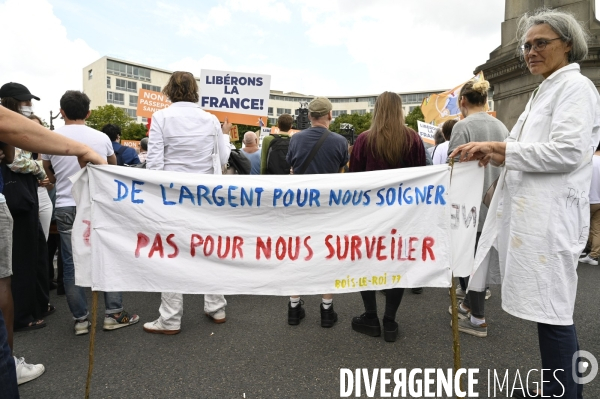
{"x":241,"y":97}
{"x":306,"y":234}
{"x":427,"y":131}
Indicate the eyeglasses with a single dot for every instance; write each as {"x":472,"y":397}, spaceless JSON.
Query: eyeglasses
{"x":538,"y":45}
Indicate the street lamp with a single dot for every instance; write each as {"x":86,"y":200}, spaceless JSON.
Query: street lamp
{"x":53,"y":118}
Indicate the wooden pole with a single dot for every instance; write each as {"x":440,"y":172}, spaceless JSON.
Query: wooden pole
{"x":455,"y":333}
{"x":88,"y":383}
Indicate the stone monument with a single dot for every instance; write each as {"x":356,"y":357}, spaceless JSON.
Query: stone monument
{"x":507,"y":73}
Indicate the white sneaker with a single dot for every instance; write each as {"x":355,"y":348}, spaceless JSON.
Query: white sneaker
{"x":218,"y":316}
{"x":488,"y":293}
{"x":27,"y":372}
{"x":589,"y":260}
{"x":157,"y":327}
{"x":82,"y":327}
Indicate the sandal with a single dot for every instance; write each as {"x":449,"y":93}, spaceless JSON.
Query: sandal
{"x":34,"y":325}
{"x":51,"y":309}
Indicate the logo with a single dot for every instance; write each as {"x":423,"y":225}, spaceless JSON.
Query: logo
{"x":584,"y":362}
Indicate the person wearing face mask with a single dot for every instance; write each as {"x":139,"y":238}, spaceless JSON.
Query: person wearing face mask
{"x":29,"y":283}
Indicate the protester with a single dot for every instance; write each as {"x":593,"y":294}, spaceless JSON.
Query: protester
{"x":440,"y":152}
{"x":275,"y":148}
{"x":593,"y":242}
{"x":30,"y":287}
{"x":18,"y":131}
{"x":539,"y":240}
{"x":313,"y":151}
{"x":143,"y":149}
{"x":388,"y":144}
{"x":477,"y":125}
{"x":252,"y":152}
{"x":75,"y":109}
{"x":438,"y":138}
{"x":125,"y":155}
{"x":183,"y":138}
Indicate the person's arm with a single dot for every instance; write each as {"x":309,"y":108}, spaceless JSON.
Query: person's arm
{"x":156,"y":145}
{"x":49,"y":172}
{"x":460,"y":136}
{"x":264,"y":154}
{"x":111,"y":159}
{"x":21,"y":132}
{"x":571,"y":127}
{"x":23,"y":163}
{"x":224,"y":140}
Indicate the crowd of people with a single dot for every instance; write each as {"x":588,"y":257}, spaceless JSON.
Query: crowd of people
{"x":556,"y":140}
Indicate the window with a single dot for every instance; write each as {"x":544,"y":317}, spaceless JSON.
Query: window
{"x":491,"y":105}
{"x":150,"y":87}
{"x":270,"y":110}
{"x":273,"y":121}
{"x":108,"y":82}
{"x":358,"y":111}
{"x":131,"y":112}
{"x":126,"y":85}
{"x":281,"y":111}
{"x":144,"y":119}
{"x":133,"y":101}
{"x":411,"y":109}
{"x":130,"y":71}
{"x":115,"y":98}
{"x":90,"y":74}
{"x":339,"y":112}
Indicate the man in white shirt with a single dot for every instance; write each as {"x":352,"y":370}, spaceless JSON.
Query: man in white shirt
{"x":593,"y":242}
{"x":75,"y":109}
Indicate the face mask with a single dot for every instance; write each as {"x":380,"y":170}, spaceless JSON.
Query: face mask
{"x":26,"y":110}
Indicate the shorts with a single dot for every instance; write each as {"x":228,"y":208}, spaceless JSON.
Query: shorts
{"x":6,"y":241}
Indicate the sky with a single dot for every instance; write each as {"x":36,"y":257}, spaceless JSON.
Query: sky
{"x":318,"y":47}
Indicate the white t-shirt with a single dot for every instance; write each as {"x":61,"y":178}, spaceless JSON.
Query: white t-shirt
{"x":595,"y":187}
{"x":440,"y":154}
{"x":66,"y":166}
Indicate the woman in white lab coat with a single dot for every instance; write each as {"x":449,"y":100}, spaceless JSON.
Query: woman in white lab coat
{"x":539,"y":216}
{"x":185,"y":138}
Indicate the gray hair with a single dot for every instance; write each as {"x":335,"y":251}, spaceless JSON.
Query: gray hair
{"x":563,"y":24}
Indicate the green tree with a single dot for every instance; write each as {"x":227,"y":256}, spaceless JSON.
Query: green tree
{"x":414,"y":116}
{"x":360,"y":122}
{"x":130,"y":130}
{"x":134,"y":131}
{"x":108,"y":114}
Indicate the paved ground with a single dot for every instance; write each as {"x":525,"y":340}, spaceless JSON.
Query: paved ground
{"x":257,"y":355}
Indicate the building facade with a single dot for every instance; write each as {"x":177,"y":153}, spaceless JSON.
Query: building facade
{"x":113,"y":81}
{"x":506,"y":71}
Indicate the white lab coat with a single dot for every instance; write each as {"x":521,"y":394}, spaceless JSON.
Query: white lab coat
{"x":539,"y":217}
{"x":182,"y":139}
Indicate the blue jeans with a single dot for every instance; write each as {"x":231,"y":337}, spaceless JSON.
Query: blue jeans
{"x":557,"y":346}
{"x":113,"y":301}
{"x":8,"y":371}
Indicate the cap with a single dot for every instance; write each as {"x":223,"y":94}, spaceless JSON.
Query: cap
{"x":320,"y":106}
{"x":16,"y":91}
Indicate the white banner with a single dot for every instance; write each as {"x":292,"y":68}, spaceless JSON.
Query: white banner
{"x":302,"y":234}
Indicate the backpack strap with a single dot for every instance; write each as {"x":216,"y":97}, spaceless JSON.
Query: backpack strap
{"x":313,"y":152}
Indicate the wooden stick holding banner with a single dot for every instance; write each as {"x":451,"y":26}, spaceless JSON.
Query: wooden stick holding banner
{"x":88,"y":382}
{"x":454,"y":304}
